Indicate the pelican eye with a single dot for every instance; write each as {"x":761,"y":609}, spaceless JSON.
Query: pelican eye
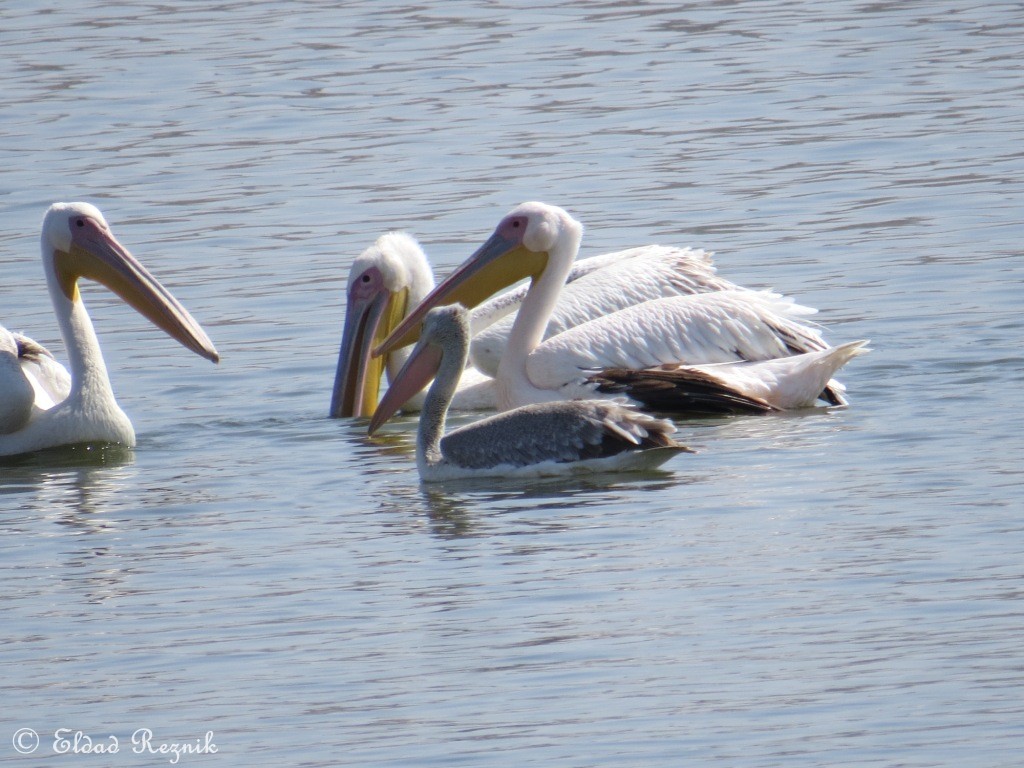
{"x":366,"y":278}
{"x":80,"y":223}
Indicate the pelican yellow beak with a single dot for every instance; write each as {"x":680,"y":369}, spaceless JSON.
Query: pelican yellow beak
{"x":368,"y":320}
{"x":95,"y":254}
{"x":498,"y":263}
{"x":417,"y":372}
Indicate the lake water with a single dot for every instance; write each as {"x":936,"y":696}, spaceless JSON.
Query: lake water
{"x":826,"y":588}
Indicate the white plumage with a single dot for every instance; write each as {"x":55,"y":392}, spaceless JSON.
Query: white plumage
{"x":391,"y":277}
{"x":384,"y":282}
{"x":622,"y":279}
{"x":716,"y":328}
{"x":723,"y":324}
{"x":50,"y":380}
{"x":41,"y":404}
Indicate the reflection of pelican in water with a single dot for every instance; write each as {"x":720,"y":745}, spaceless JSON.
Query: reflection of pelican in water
{"x":78,"y":489}
{"x":705,"y":352}
{"x":545,"y":439}
{"x":41,"y":406}
{"x":391,"y":277}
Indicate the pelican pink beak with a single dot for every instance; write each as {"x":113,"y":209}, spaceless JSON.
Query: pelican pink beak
{"x":417,"y":372}
{"x":500,"y":262}
{"x":372,"y":311}
{"x":96,"y":254}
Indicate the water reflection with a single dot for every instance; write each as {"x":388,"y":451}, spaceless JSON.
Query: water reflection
{"x":466,"y":507}
{"x":482,"y":506}
{"x":96,"y":573}
{"x":72,"y":482}
{"x":866,"y":160}
{"x":82,"y":493}
{"x":66,"y":456}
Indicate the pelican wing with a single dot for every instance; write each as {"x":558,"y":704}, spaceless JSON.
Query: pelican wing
{"x":49,"y":379}
{"x":719,"y":327}
{"x":16,"y":395}
{"x":559,"y":432}
{"x":677,"y":388}
{"x":783,"y":383}
{"x":630,"y":278}
{"x":498,"y":307}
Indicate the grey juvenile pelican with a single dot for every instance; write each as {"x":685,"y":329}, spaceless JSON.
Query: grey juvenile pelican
{"x":546,"y":439}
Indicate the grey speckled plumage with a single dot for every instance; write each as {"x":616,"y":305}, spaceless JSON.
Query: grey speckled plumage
{"x":552,"y":438}
{"x":564,"y":431}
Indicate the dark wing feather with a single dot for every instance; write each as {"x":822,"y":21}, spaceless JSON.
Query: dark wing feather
{"x":675,"y":389}
{"x":29,"y":349}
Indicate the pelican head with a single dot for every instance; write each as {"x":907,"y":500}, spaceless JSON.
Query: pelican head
{"x":520,"y":247}
{"x":384,"y":281}
{"x":79,"y":244}
{"x":446,"y":331}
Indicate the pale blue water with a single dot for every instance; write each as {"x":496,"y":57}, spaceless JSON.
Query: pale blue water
{"x":823,"y":589}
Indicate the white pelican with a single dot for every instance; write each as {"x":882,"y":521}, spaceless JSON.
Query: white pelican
{"x":610,"y":283}
{"x":540,"y":241}
{"x":384,"y":282}
{"x":543,"y":439}
{"x":41,"y":406}
{"x":393,"y":276}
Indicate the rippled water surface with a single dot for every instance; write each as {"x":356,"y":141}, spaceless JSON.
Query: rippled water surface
{"x":827,"y":588}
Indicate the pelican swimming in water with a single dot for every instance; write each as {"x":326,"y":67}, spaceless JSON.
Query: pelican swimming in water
{"x":393,"y":276}
{"x":607,"y":356}
{"x":611,"y":283}
{"x":41,"y":405}
{"x":384,"y":282}
{"x":545,"y":439}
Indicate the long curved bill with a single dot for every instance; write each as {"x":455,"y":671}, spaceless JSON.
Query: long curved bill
{"x":417,"y":372}
{"x":357,"y":380}
{"x":497,"y":264}
{"x":97,"y":255}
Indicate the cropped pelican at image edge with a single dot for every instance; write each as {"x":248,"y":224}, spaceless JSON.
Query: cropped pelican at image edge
{"x":42,"y":405}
